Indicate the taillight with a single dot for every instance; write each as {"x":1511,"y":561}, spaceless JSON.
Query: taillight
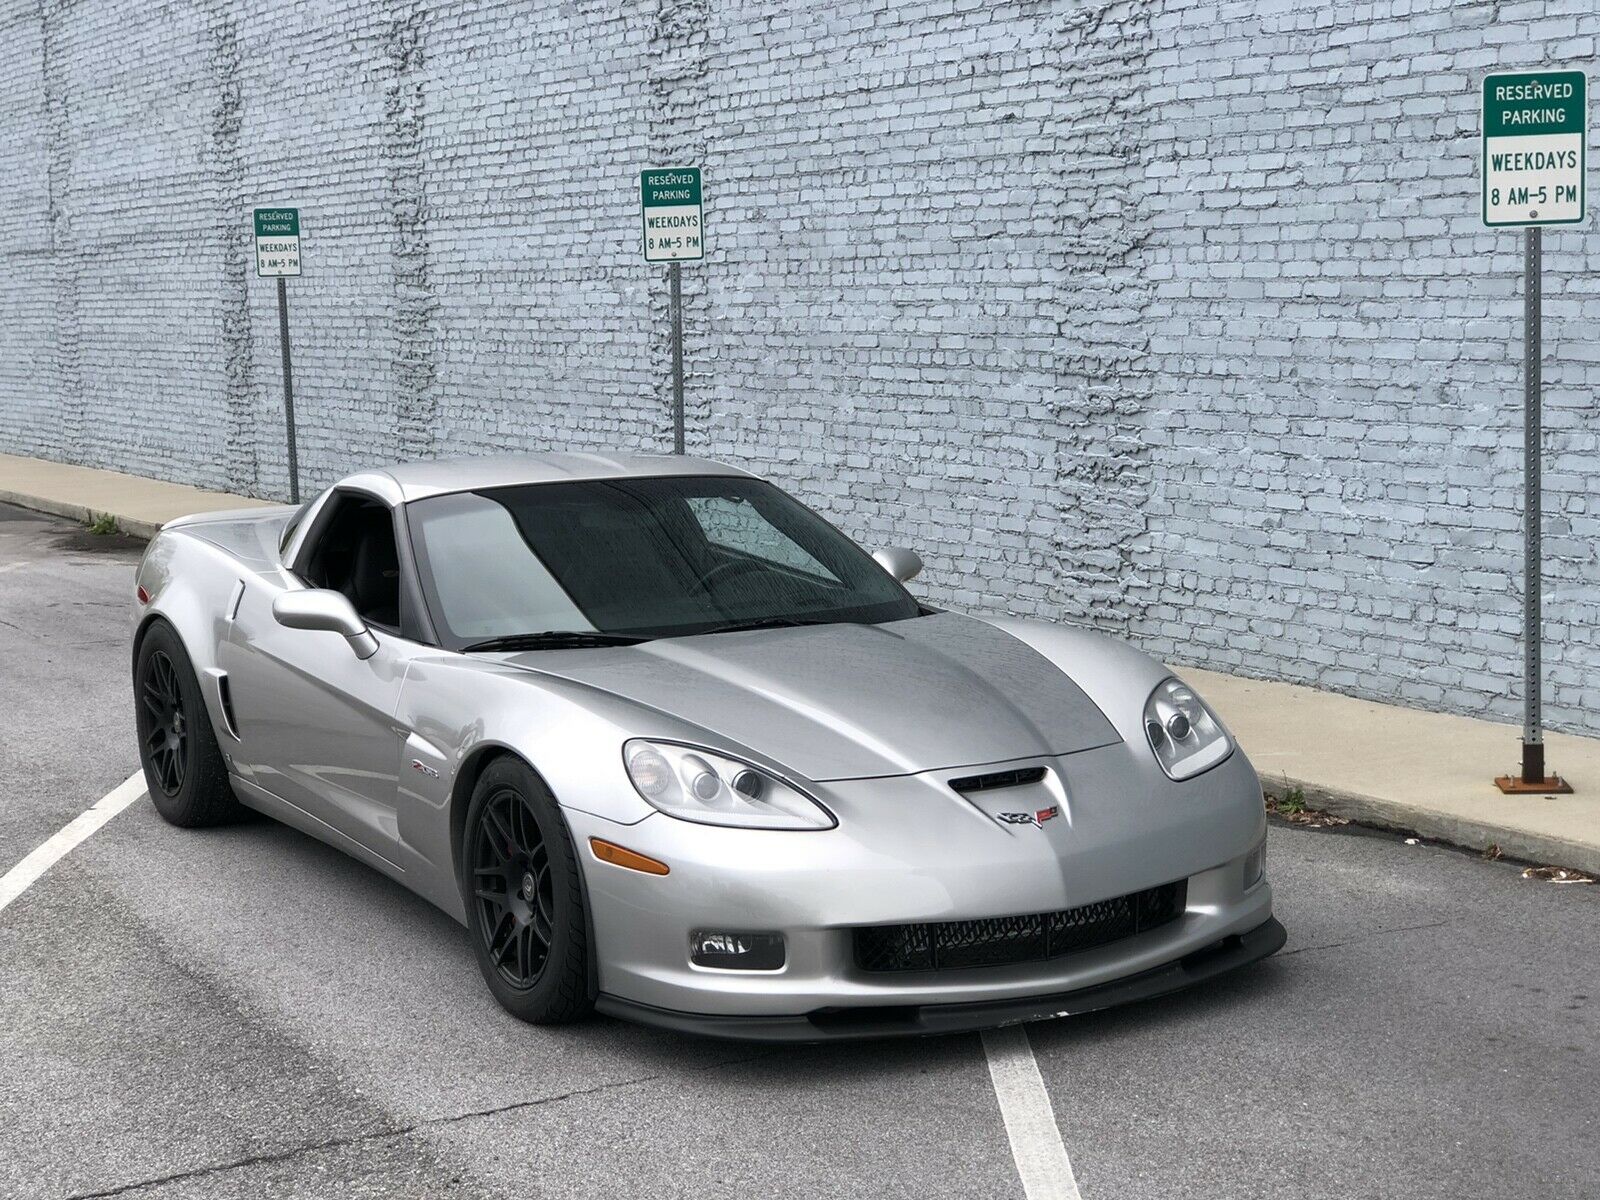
{"x":141,"y":595}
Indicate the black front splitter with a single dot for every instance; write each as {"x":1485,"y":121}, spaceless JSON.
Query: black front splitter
{"x":877,"y":1021}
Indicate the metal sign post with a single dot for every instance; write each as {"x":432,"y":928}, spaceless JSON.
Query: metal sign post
{"x":278,"y":256}
{"x":288,"y":388}
{"x":669,"y":207}
{"x":1535,"y":138}
{"x":676,"y":272}
{"x":1533,"y":512}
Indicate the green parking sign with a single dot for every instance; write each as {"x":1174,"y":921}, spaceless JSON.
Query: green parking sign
{"x":1535,"y":139}
{"x":669,"y":204}
{"x":277,"y":242}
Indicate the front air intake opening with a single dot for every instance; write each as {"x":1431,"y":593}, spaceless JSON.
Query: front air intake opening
{"x":1019,"y":777}
{"x":1002,"y":941}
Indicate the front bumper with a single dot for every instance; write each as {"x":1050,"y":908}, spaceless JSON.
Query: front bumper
{"x":908,"y":849}
{"x":855,"y":1024}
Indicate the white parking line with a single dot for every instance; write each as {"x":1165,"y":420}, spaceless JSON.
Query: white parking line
{"x":1036,"y":1144}
{"x":22,"y":876}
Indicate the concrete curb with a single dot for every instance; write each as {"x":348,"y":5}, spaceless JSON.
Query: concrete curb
{"x":1463,"y":832}
{"x":133,"y":526}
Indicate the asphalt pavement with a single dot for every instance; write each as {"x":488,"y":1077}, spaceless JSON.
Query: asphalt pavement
{"x":244,"y":1012}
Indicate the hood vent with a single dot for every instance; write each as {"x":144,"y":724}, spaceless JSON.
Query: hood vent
{"x":997,"y":779}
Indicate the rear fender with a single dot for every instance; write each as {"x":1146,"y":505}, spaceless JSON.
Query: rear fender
{"x":191,"y":585}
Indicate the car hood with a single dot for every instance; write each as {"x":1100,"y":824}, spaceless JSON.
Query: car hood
{"x":854,"y":701}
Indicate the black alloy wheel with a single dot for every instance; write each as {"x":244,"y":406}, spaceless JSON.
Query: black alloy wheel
{"x":523,"y":891}
{"x":515,"y":889}
{"x":165,"y":725}
{"x":184,"y":769}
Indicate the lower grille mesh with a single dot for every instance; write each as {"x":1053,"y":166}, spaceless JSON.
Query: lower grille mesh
{"x":997,"y":941}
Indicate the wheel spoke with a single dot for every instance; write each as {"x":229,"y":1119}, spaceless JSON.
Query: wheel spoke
{"x":529,"y":832}
{"x":532,"y":951}
{"x":497,"y":948}
{"x":499,"y":899}
{"x":512,"y":819}
{"x":498,"y":824}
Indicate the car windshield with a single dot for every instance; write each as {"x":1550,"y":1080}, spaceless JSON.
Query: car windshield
{"x":661,"y":557}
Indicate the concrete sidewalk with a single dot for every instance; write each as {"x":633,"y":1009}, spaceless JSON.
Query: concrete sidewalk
{"x":1374,"y":763}
{"x":1403,"y":768}
{"x":141,"y":506}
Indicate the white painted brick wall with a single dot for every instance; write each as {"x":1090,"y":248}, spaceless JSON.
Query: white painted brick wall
{"x":1173,"y":318}
{"x":1336,"y":432}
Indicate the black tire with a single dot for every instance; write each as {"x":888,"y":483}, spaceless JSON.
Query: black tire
{"x":183,"y":766}
{"x":533,"y":951}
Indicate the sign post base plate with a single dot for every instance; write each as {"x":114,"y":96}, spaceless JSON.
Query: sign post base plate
{"x":1515,"y":785}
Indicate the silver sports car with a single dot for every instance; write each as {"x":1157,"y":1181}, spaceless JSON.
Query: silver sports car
{"x":672,"y":747}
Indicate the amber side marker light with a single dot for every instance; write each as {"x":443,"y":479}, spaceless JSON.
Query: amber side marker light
{"x":621,"y":856}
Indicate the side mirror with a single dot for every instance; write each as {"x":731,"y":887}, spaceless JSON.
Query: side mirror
{"x":903,"y":564}
{"x":319,"y":608}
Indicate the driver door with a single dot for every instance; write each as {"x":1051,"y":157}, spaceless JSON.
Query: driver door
{"x":315,"y":723}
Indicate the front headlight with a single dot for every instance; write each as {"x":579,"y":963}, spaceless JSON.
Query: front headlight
{"x":699,"y":785}
{"x":1185,"y":736}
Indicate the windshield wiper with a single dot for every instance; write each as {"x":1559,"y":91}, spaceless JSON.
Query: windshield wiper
{"x":555,"y":639}
{"x":767,"y":623}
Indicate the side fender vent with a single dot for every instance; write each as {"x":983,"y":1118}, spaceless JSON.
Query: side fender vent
{"x":225,"y":695}
{"x":1019,"y":777}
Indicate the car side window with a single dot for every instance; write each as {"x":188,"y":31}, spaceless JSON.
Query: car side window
{"x":733,"y":523}
{"x":354,"y":553}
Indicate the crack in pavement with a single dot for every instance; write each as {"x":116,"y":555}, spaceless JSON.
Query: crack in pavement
{"x":1366,"y":937}
{"x":398,"y":1131}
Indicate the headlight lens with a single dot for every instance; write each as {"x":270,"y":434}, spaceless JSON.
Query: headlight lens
{"x":693,"y":784}
{"x":1185,"y":736}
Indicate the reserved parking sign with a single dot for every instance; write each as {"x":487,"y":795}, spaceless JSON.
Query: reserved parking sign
{"x":1535,"y":134}
{"x":277,"y":242}
{"x":669,"y":202}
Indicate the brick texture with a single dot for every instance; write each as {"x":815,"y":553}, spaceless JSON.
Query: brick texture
{"x":1171,"y":318}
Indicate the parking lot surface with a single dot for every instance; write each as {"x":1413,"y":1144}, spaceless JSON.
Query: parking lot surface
{"x":245,"y":1012}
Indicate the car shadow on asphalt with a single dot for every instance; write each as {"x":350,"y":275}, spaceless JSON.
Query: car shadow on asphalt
{"x":1219,"y":998}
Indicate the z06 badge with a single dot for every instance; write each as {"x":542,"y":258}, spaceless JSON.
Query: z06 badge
{"x":1033,"y":818}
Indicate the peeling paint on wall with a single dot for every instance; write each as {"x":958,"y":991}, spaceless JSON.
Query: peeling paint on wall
{"x":235,"y":248}
{"x":677,"y":63}
{"x":404,"y":108}
{"x":1103,"y":388}
{"x":68,"y":398}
